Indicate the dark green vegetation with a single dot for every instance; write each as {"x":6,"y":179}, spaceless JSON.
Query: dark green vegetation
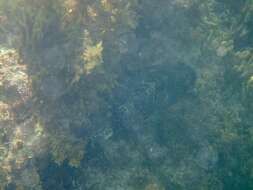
{"x":126,"y":95}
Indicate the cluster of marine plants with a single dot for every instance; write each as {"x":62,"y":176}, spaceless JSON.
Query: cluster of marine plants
{"x":126,"y":94}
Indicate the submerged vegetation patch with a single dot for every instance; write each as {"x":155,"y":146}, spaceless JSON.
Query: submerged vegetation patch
{"x":126,"y":95}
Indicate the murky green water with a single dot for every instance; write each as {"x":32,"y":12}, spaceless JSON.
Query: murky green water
{"x":126,"y":95}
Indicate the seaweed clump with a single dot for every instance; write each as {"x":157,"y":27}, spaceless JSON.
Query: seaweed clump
{"x":136,"y":94}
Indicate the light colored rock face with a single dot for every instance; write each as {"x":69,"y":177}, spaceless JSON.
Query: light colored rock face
{"x":19,"y":141}
{"x":14,"y":81}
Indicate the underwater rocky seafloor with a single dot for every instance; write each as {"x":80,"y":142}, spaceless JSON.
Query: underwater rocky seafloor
{"x":126,"y":95}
